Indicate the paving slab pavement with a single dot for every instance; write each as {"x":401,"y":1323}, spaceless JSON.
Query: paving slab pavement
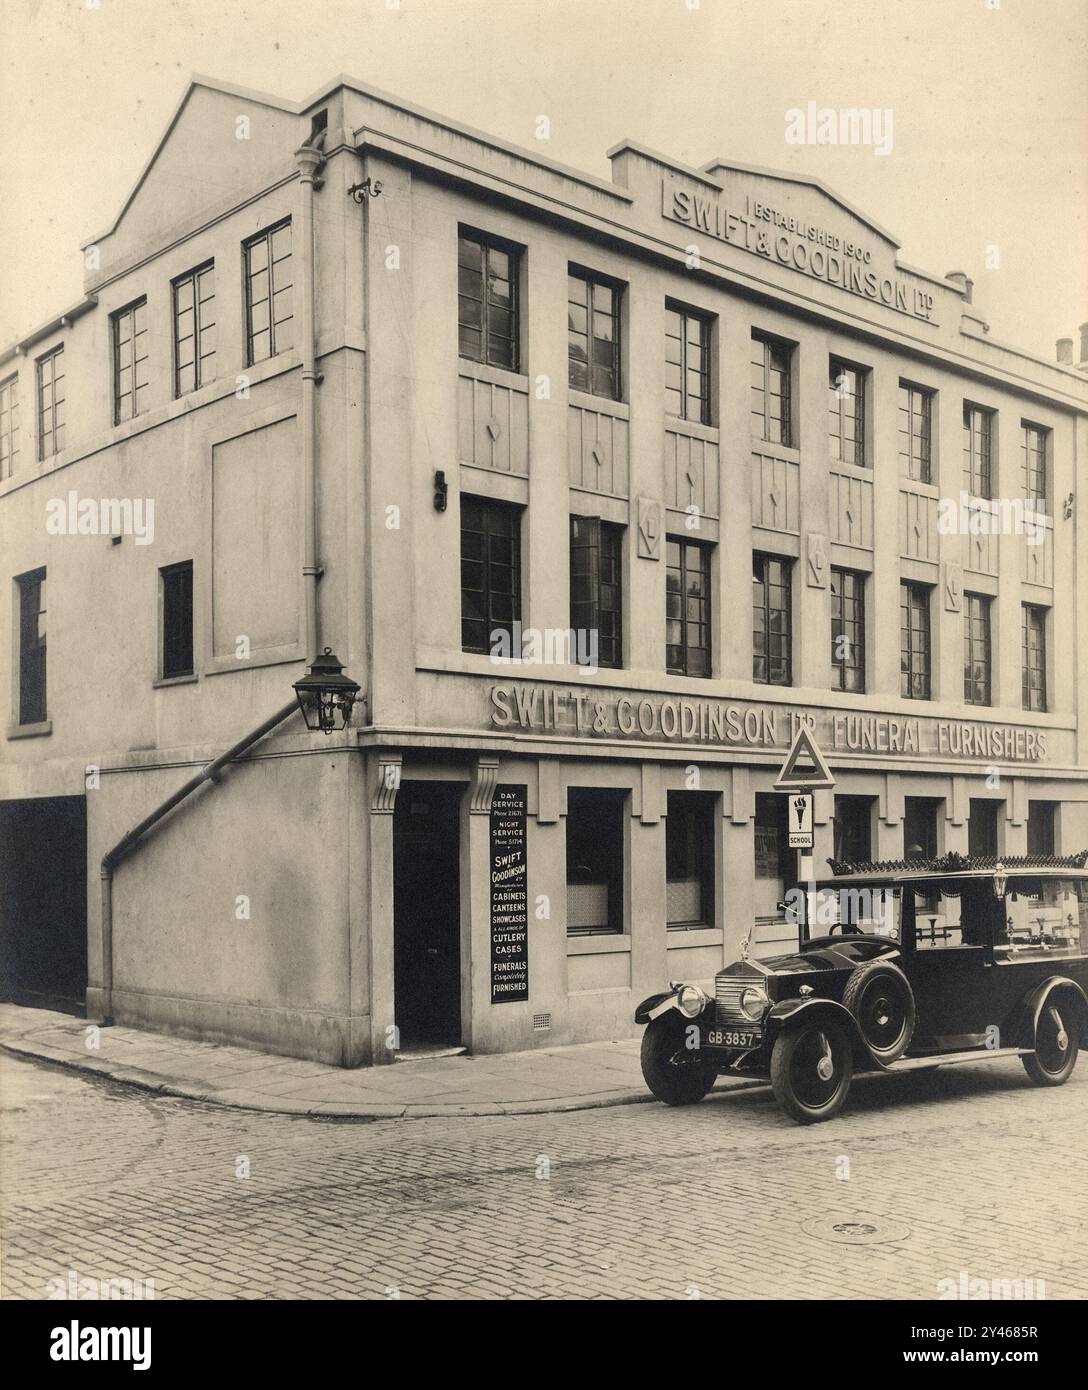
{"x":584,"y":1077}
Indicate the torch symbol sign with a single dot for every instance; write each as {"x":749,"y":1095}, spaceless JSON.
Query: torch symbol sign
{"x":799,"y":804}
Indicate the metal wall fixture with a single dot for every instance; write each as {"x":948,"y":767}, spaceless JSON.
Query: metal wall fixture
{"x":369,"y":188}
{"x":441,"y":488}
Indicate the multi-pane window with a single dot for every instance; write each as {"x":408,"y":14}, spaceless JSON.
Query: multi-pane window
{"x":978,"y":428}
{"x":846,"y":410}
{"x":595,"y":860}
{"x":772,"y":638}
{"x":9,"y":426}
{"x":771,"y":413}
{"x":487,"y":301}
{"x":1033,"y":446}
{"x":490,"y":575}
{"x":32,"y":703}
{"x":194,"y":329}
{"x":976,"y":649}
{"x":593,"y":334}
{"x":1033,"y":657}
{"x":270,"y":327}
{"x":848,"y":629}
{"x":689,"y":860}
{"x":129,"y":361}
{"x":687,"y":607}
{"x":687,"y":364}
{"x":596,"y":590}
{"x":176,"y":583}
{"x":51,"y":403}
{"x":914,"y":641}
{"x":915,"y":432}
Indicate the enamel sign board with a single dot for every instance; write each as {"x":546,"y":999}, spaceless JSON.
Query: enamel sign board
{"x":799,"y":819}
{"x":805,"y":768}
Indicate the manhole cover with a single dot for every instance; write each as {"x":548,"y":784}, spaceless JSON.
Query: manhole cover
{"x":856,"y":1230}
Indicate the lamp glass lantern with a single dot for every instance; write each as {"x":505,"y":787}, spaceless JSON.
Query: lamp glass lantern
{"x":325,"y":694}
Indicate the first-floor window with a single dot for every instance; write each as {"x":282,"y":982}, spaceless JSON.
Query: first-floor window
{"x":689,"y":860}
{"x":596,"y":590}
{"x":848,"y":629}
{"x":9,"y":426}
{"x":976,"y":649}
{"x":176,"y":583}
{"x":687,"y":608}
{"x":595,"y":860}
{"x":1033,"y":657}
{"x":130,"y":369}
{"x":914,"y":641}
{"x":772,"y":638}
{"x":32,"y":701}
{"x":490,"y":574}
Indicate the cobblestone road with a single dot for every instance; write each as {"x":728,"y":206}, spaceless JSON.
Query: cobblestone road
{"x":969,"y":1169}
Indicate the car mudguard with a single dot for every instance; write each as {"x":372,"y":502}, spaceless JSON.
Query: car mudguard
{"x":792,"y":1013}
{"x":1033,"y":1003}
{"x":649,"y":1008}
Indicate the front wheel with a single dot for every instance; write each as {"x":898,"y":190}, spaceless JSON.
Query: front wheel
{"x":1056,"y":1046}
{"x":812,"y":1066}
{"x":675,"y":1073}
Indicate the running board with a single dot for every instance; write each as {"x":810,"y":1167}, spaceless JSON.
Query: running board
{"x":946,"y":1059}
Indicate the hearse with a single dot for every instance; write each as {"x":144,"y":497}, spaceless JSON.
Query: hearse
{"x":925,"y":963}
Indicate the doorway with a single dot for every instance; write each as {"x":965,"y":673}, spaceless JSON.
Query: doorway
{"x":427,"y":913}
{"x":43,"y":902}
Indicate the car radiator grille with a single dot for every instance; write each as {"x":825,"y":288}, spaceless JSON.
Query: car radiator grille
{"x":728,"y":989}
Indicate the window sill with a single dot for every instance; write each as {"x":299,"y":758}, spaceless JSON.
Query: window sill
{"x":676,"y":424}
{"x":698,"y":934}
{"x":189,"y":679}
{"x":30,"y":730}
{"x":494,"y":376}
{"x":603,"y":405}
{"x":607,"y":943}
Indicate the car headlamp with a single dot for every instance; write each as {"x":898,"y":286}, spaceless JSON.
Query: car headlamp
{"x":753,"y":1001}
{"x":691,"y":1001}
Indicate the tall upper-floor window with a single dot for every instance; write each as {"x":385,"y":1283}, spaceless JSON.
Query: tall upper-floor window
{"x":915,"y":432}
{"x":487,"y":301}
{"x":772,"y":620}
{"x":772,"y":416}
{"x":490,"y":574}
{"x":9,"y":426}
{"x":593,"y":334}
{"x":130,"y":369}
{"x":1033,"y":446}
{"x":687,"y":607}
{"x":848,"y":629}
{"x":1033,"y":657}
{"x":51,"y":403}
{"x":915,"y":653}
{"x":176,"y":597}
{"x":32,"y":694}
{"x":194,"y":329}
{"x":976,"y":649}
{"x":596,"y":590}
{"x":978,"y":428}
{"x":846,"y":411}
{"x":270,"y":326}
{"x":687,"y":364}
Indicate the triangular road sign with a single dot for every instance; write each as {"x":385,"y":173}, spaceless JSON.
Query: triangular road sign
{"x":793,"y":778}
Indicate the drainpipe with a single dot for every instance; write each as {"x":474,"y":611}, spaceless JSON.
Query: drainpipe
{"x":310,"y":160}
{"x":127,"y":843}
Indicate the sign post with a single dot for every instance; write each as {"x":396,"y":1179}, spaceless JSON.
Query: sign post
{"x":803,"y":772}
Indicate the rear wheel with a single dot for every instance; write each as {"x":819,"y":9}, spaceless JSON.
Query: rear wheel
{"x":1056,"y":1045}
{"x":675,"y":1073}
{"x":879,"y":996}
{"x":811,"y":1069}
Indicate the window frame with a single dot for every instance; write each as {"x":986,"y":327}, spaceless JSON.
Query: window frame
{"x":129,"y":312}
{"x":697,"y":808}
{"x":593,"y":281}
{"x":604,"y":837}
{"x":840,"y":666}
{"x":55,"y":433}
{"x":927,"y":396}
{"x":977,"y":644}
{"x":487,"y":242}
{"x":771,"y":344}
{"x":9,"y":426}
{"x":704,"y":551}
{"x":200,"y":377}
{"x":1034,"y":697}
{"x":978,"y":464}
{"x":765,"y":610}
{"x":604,"y":536}
{"x":265,"y":237}
{"x":1027,"y":471}
{"x":492,"y":507}
{"x":34,"y":654}
{"x":837,"y":412}
{"x":912,"y":590}
{"x":704,"y":323}
{"x":166,"y":573}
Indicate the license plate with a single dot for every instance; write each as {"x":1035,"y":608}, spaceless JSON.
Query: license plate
{"x":729,"y":1037}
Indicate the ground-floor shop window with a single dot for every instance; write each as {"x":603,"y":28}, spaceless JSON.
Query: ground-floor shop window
{"x":854,"y":828}
{"x":982,"y":828}
{"x":595,"y":817}
{"x":1042,"y":816}
{"x":775,"y":862}
{"x":689,"y":860}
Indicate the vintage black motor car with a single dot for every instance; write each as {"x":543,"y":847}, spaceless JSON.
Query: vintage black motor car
{"x":925,"y":963}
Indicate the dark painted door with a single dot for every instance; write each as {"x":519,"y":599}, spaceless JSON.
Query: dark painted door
{"x":427,"y":912}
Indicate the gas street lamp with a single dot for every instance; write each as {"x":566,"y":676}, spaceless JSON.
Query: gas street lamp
{"x":325,"y":694}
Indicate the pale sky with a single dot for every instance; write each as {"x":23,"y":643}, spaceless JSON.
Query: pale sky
{"x":989,"y":100}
